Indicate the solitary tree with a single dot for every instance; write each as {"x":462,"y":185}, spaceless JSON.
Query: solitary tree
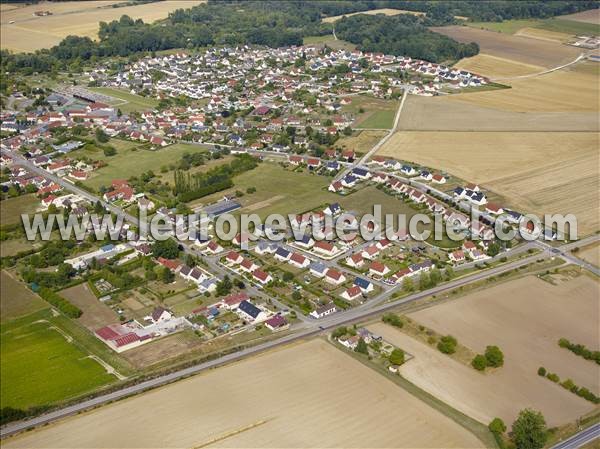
{"x":447,"y":344}
{"x":529,"y":430}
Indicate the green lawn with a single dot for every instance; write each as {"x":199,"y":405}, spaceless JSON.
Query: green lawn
{"x":363,"y":200}
{"x":378,"y":119}
{"x":12,"y":208}
{"x":40,"y":367}
{"x":132,"y":161}
{"x":558,"y":25}
{"x":278,"y":191}
{"x":134,"y":102}
{"x":329,"y":40}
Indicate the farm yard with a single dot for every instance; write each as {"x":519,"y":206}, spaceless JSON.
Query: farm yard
{"x":525,"y":318}
{"x":341,"y":401}
{"x":538,"y":172}
{"x":42,"y":365}
{"x":30,"y":33}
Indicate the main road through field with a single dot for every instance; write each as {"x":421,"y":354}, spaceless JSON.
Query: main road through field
{"x":580,"y":439}
{"x":307,"y":329}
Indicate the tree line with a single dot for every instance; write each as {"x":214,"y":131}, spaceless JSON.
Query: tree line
{"x":277,"y":24}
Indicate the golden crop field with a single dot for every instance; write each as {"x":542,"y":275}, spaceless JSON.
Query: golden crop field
{"x":538,"y":172}
{"x":306,"y":395}
{"x":463,"y":113}
{"x":385,"y":11}
{"x":29,"y":32}
{"x":544,"y":35}
{"x":516,"y":48}
{"x":497,"y":67}
{"x":573,"y":89}
{"x":525,"y":318}
{"x":591,"y":254}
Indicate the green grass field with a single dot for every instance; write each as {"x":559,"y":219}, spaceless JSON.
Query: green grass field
{"x":379,"y":120}
{"x":557,"y":25}
{"x":40,"y":367}
{"x":16,"y":299}
{"x":131,"y":161}
{"x":12,"y":208}
{"x":277,"y":191}
{"x":134,"y":102}
{"x":329,"y":40}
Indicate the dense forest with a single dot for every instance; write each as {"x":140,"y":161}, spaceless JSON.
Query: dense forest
{"x":275,"y":24}
{"x":401,"y":35}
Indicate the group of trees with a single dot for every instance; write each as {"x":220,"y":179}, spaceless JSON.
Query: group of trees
{"x":580,"y":350}
{"x":402,"y":34}
{"x":568,"y":384}
{"x":277,"y":24}
{"x":493,"y":357}
{"x":528,"y":431}
{"x":189,"y":187}
{"x":60,"y":303}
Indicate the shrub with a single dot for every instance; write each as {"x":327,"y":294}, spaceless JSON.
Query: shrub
{"x":497,"y":426}
{"x":447,"y":344}
{"x":393,"y":319}
{"x":494,"y":356}
{"x":541,"y":371}
{"x":397,"y":357}
{"x":553,"y":377}
{"x":479,"y":362}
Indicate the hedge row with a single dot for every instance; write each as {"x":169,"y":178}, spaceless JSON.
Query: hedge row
{"x":580,"y":350}
{"x":60,"y":303}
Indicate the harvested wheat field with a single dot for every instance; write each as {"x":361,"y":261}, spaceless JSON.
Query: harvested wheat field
{"x":445,"y":113}
{"x":544,"y":35}
{"x":515,"y":48}
{"x":495,"y":67}
{"x":384,"y":11}
{"x":537,"y":172}
{"x":525,"y":318}
{"x":81,"y":18}
{"x":308,"y":395}
{"x":572,"y":89}
{"x":589,"y":16}
{"x":590,"y":253}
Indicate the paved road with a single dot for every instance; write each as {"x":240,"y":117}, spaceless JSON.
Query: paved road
{"x":310,"y":329}
{"x":580,"y":439}
{"x":379,"y":144}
